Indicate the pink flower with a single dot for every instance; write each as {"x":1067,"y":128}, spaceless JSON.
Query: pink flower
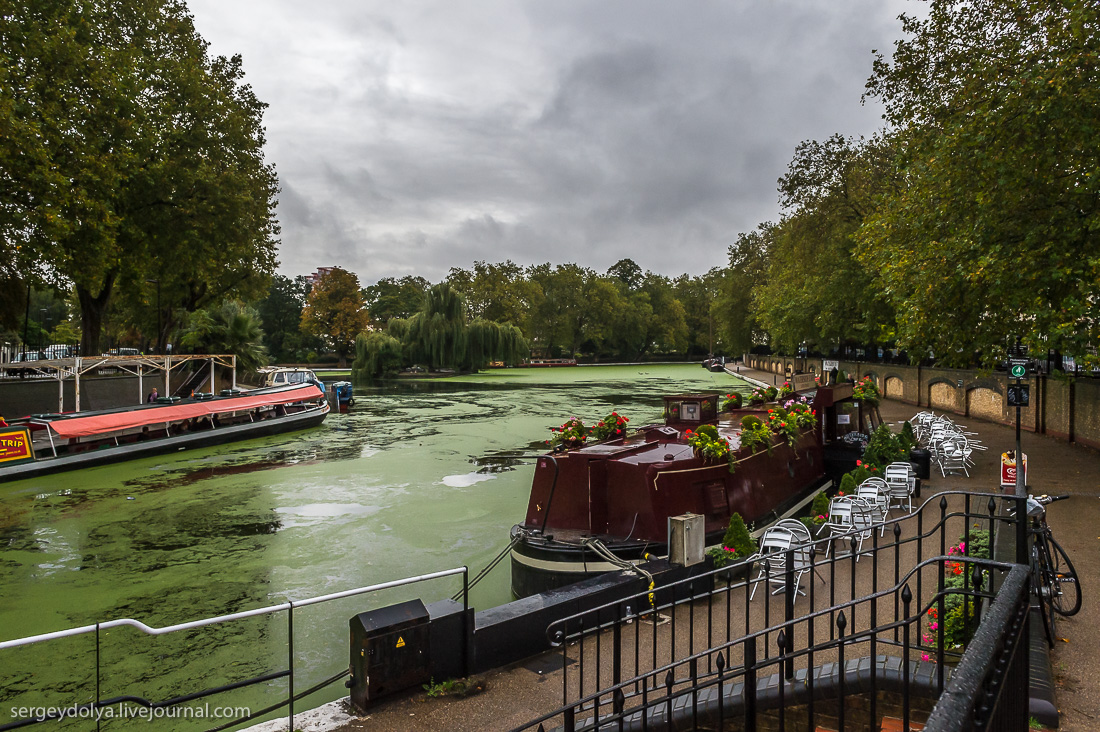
{"x":925,"y":657}
{"x":933,"y":626}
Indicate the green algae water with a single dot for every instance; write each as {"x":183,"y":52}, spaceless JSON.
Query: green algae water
{"x":420,"y":477}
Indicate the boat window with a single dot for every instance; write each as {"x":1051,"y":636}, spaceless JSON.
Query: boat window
{"x":297,"y":377}
{"x":690,"y":411}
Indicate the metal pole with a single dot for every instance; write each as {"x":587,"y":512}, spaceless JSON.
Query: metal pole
{"x":26,"y":322}
{"x":1021,"y":495}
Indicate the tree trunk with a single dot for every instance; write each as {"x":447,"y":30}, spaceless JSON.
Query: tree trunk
{"x":92,"y":308}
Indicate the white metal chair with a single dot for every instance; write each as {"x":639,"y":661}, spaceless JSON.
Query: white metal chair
{"x":952,"y":458}
{"x":802,"y":535}
{"x":850,"y":518}
{"x":774,"y":545}
{"x":877,"y":494}
{"x":901,"y":483}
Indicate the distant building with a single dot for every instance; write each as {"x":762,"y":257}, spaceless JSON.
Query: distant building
{"x":321,"y":272}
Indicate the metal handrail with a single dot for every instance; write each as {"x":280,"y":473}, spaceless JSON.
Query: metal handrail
{"x":288,"y":607}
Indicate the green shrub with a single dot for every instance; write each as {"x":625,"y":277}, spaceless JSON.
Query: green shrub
{"x":749,"y":421}
{"x":709,"y":430}
{"x":770,"y":393}
{"x":738,"y":537}
{"x":732,"y":401}
{"x":820,"y":506}
{"x":883,"y":448}
{"x":848,"y":485}
{"x":907,"y":439}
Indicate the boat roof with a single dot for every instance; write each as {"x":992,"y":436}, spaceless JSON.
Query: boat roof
{"x":85,"y":424}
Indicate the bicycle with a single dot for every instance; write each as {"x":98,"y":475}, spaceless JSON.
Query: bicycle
{"x":1054,"y":580}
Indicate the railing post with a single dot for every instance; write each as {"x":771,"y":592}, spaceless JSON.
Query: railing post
{"x":781,"y":642}
{"x":668,"y":701}
{"x":906,"y":598}
{"x":617,"y":651}
{"x":841,"y":623}
{"x":290,"y":665}
{"x":97,"y":675}
{"x":1021,"y":525}
{"x":465,"y":622}
{"x":750,"y":684}
{"x":720,"y":664}
{"x":787,"y":648}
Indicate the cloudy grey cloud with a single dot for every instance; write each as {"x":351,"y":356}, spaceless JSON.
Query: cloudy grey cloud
{"x":417,"y":136}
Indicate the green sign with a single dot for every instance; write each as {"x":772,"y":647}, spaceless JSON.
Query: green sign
{"x":1018,"y":371}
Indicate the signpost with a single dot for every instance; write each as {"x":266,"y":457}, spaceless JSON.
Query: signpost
{"x":1018,"y":396}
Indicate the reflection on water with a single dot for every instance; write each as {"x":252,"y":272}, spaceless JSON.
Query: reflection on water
{"x":419,"y":477}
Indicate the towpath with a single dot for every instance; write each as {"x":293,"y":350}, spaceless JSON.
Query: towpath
{"x":521,"y":692}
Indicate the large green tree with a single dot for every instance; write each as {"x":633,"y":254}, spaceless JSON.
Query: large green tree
{"x":996,"y":230}
{"x":281,"y":314}
{"x":394,"y":298}
{"x":817,"y":293}
{"x":334,"y":311}
{"x":130,"y":160}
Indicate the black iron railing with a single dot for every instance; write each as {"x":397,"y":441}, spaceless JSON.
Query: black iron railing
{"x":701,"y":653}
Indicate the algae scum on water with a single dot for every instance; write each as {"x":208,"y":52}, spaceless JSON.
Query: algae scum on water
{"x":420,"y":477}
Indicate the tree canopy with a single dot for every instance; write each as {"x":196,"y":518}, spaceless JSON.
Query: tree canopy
{"x":995,"y":232}
{"x":128,"y":154}
{"x":334,"y":311}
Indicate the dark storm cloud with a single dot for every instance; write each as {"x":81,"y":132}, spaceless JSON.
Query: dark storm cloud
{"x":413,"y":137}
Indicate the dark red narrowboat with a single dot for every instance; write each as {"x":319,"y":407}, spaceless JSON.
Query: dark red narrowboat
{"x":592,"y":509}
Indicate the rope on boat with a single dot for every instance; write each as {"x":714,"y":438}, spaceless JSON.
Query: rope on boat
{"x":491,"y":566}
{"x":601,"y":550}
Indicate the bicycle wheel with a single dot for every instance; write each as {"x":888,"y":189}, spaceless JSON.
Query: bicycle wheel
{"x":1041,"y":581}
{"x":1066,"y":591}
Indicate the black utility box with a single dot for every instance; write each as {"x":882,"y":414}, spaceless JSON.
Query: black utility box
{"x":389,"y":651}
{"x":922,"y":462}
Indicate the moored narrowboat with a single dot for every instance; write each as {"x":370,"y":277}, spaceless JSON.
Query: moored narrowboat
{"x":602,"y":506}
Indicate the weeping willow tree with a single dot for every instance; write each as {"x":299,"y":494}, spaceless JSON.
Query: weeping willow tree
{"x":487,"y":341}
{"x":436,"y":336}
{"x":376,"y":355}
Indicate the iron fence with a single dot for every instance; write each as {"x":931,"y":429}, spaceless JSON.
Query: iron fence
{"x":876,"y":620}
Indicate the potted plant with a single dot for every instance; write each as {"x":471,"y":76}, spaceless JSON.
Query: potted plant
{"x":613,"y":426}
{"x":737,"y":545}
{"x":709,"y":445}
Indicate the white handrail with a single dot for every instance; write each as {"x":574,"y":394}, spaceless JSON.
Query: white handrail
{"x":224,"y":618}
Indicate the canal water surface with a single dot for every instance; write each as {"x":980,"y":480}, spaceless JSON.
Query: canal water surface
{"x":419,"y":477}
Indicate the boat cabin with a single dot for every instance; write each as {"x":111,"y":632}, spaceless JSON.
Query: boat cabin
{"x":277,"y":376}
{"x":688,"y":411}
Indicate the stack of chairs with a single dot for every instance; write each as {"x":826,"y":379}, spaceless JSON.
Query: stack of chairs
{"x":952,"y":445}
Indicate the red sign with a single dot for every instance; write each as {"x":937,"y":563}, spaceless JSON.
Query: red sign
{"x":1008,"y":469}
{"x":15,"y":445}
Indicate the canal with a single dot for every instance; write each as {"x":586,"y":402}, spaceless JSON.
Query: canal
{"x":420,"y":477}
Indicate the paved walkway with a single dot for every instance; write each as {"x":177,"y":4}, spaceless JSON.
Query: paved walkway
{"x":522,"y":692}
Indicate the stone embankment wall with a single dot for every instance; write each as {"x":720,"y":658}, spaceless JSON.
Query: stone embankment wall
{"x":1062,"y":407}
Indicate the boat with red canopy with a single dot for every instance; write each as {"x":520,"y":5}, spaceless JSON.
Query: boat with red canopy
{"x":47,"y":443}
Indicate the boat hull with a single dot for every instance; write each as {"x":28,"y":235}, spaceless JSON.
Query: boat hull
{"x":540,"y":563}
{"x":191,"y":440}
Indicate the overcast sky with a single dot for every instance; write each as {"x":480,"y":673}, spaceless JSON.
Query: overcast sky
{"x":413,"y":136}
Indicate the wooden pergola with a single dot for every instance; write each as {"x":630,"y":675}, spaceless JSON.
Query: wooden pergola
{"x":65,"y":368}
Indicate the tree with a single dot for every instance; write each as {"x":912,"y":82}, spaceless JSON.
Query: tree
{"x":735,"y":320}
{"x":281,"y":315}
{"x":817,"y":292}
{"x":127,"y":154}
{"x":376,"y":355}
{"x":230,"y":327}
{"x":334,"y":311}
{"x":996,"y":231}
{"x":436,"y":335}
{"x":390,"y":298}
{"x":497,"y":292}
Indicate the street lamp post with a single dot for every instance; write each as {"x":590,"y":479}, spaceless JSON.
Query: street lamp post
{"x":45,"y":335}
{"x":157,"y":283}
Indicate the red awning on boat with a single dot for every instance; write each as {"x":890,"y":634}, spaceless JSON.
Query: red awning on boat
{"x":97,"y":424}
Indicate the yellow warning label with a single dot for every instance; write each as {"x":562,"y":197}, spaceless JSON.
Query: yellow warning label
{"x":400,"y":642}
